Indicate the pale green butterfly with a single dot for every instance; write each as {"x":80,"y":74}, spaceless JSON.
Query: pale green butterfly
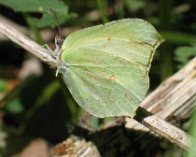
{"x":106,"y":67}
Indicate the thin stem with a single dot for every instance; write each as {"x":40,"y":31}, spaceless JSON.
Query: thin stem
{"x":102,"y":9}
{"x":166,"y":52}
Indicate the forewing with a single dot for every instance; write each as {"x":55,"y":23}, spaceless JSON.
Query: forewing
{"x":108,"y":66}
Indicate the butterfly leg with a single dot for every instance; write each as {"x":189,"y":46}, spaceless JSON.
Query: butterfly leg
{"x":61,"y":67}
{"x":50,"y":51}
{"x":56,"y":54}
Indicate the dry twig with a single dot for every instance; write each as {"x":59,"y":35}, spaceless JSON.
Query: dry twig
{"x":175,"y":97}
{"x":26,"y":43}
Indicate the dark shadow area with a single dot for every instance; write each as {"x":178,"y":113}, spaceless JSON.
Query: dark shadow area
{"x":119,"y":141}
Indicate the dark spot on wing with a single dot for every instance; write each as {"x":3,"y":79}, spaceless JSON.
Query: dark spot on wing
{"x":109,"y":38}
{"x":112,"y":77}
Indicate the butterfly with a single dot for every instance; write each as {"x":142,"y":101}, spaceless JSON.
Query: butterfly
{"x":105,"y":67}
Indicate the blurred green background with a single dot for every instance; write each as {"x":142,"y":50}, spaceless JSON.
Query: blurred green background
{"x":34,"y":103}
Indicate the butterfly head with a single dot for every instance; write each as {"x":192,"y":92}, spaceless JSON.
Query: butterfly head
{"x":58,"y":41}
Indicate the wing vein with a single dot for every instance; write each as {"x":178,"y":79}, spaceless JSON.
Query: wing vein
{"x":118,"y":82}
{"x":137,"y":64}
{"x":115,"y":38}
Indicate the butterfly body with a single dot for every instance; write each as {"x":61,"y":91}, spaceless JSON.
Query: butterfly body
{"x":106,"y":67}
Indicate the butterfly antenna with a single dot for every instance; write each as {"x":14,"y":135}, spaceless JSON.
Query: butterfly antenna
{"x":58,"y":37}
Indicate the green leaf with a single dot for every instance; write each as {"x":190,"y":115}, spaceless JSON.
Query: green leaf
{"x":15,"y":106}
{"x":135,"y":5}
{"x":46,"y":19}
{"x":3,"y":85}
{"x":102,"y":5}
{"x":192,"y":130}
{"x":185,"y":53}
{"x":106,"y":67}
{"x":40,"y":6}
{"x":179,"y":38}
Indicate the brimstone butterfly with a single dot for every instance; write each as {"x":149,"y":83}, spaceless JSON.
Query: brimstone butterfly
{"x":106,"y":67}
